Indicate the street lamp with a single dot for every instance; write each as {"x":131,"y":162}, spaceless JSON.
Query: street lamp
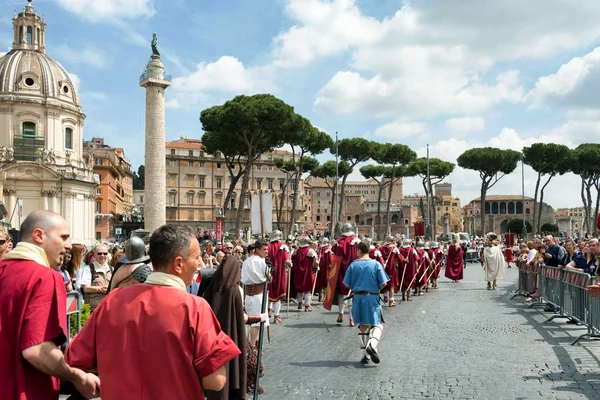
{"x":524,"y":228}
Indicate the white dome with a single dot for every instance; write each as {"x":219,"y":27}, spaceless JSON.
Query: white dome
{"x":32,"y":75}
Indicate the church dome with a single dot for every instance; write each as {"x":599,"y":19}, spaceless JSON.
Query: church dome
{"x":32,"y":74}
{"x":28,"y":75}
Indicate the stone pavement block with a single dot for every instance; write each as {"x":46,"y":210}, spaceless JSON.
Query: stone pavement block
{"x":461,"y":341}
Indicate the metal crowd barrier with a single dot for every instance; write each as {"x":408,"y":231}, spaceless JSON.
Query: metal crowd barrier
{"x":593,"y":325}
{"x":74,"y":304}
{"x":528,"y":280}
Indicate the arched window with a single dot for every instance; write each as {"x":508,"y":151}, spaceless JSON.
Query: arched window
{"x":519,"y":207}
{"x":29,"y":129}
{"x":370,"y":221}
{"x":511,"y":207}
{"x":68,"y":138}
{"x":527,"y":211}
{"x":487,"y":207}
{"x":395,"y":219}
{"x":502,"y":207}
{"x":494,"y":207}
{"x":201,"y":198}
{"x":21,"y":33}
{"x":37,"y":37}
{"x":29,"y":35}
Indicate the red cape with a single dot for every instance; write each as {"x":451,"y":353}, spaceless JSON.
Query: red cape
{"x":325,"y":255}
{"x":278,"y":286}
{"x":454,"y":263}
{"x":303,"y":274}
{"x":347,"y":251}
{"x":408,"y":268}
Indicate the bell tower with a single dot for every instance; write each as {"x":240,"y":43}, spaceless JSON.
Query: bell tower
{"x":29,"y":30}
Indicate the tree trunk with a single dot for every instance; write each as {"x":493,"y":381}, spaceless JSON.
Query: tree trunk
{"x":539,"y":216}
{"x":243,"y":194}
{"x":331,"y":212}
{"x":534,"y":227}
{"x":433,"y":212}
{"x":379,"y":210}
{"x":588,"y":191}
{"x":483,"y":194}
{"x":597,"y":209}
{"x":341,"y":204}
{"x":585,"y":209}
{"x":234,"y":180}
{"x":389,"y":202}
{"x":281,"y":200}
{"x":297,"y":176}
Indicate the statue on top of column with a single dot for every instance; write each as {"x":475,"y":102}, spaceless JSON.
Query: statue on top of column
{"x":155,"y":45}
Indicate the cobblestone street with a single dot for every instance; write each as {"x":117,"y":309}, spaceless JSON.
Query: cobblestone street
{"x":459,"y":342}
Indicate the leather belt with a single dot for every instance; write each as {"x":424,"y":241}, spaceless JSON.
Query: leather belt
{"x":368,"y":294}
{"x":253,"y":290}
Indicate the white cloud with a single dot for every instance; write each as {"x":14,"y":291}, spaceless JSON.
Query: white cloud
{"x":570,"y":86}
{"x":399,"y":130}
{"x":99,"y":10}
{"x":75,"y":80}
{"x":226,"y":75}
{"x":89,"y":55}
{"x":427,"y":60}
{"x":465,"y":124}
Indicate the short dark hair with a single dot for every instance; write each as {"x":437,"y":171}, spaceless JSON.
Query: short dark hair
{"x":364,"y":247}
{"x":168,"y":242}
{"x":260,"y":243}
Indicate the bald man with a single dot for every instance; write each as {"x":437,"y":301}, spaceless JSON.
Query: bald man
{"x":33,"y":314}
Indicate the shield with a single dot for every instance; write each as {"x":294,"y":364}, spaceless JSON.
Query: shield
{"x":336,"y":262}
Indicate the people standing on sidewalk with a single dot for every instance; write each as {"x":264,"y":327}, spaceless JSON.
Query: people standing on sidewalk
{"x":493,"y":261}
{"x":365,"y":278}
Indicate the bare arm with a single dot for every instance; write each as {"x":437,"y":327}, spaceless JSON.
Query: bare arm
{"x":215,"y":381}
{"x":47,"y":358}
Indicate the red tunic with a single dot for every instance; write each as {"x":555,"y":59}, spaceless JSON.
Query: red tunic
{"x":33,"y":306}
{"x":392,"y":260}
{"x":438,"y":256}
{"x":409,"y":267}
{"x":303,"y":272}
{"x":344,"y":247}
{"x":278,"y":254}
{"x":325,"y":255}
{"x":509,"y":255}
{"x":422,"y":268}
{"x":454,"y":263}
{"x":375,"y":254}
{"x":151,"y":342}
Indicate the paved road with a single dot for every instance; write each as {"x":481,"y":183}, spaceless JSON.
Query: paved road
{"x":459,"y":342}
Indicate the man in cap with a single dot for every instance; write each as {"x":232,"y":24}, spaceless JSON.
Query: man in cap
{"x":409,"y":269}
{"x":133,"y":268}
{"x":392,"y":261}
{"x":345,"y":247}
{"x":304,"y":260}
{"x":365,"y":278}
{"x":279,"y":254}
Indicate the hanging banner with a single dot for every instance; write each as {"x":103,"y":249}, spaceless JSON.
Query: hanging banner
{"x":261,"y":205}
{"x":332,"y":280}
{"x":219,"y":228}
{"x":267,"y":207}
{"x":255,"y":212}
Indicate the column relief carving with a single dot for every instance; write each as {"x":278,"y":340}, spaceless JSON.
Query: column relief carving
{"x":9,"y":192}
{"x":71,"y":195}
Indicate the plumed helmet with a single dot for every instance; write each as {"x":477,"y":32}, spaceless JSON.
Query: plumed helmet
{"x":347,"y":227}
{"x":435,"y":245}
{"x":426,"y":245}
{"x":406,"y":243}
{"x":276,"y":235}
{"x":303,"y":241}
{"x":135,"y":251}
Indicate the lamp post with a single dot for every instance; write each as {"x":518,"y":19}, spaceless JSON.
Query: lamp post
{"x":524,"y":229}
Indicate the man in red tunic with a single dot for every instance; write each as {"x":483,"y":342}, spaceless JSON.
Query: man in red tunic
{"x":422,"y":267}
{"x":454,"y":261}
{"x":437,"y":256}
{"x":345,"y":247}
{"x":408,"y":270}
{"x":33,"y":314}
{"x":279,"y":254}
{"x":392,"y":261}
{"x":374,"y":253}
{"x":154,"y":340}
{"x":325,"y":255}
{"x":304,"y":260}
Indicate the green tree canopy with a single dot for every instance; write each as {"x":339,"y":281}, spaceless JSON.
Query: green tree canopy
{"x":246,"y":127}
{"x":139,"y":178}
{"x":549,"y":228}
{"x":489,"y":162}
{"x":586,"y":163}
{"x":516,"y":226}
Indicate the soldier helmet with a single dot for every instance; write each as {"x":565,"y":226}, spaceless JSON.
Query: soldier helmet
{"x":390,"y":240}
{"x":406,"y":243}
{"x":347,"y":228}
{"x":420,"y":244}
{"x":135,"y":251}
{"x":426,"y":245}
{"x":276,"y":235}
{"x":368,"y":240}
{"x":324,"y":241}
{"x":435,"y":245}
{"x":303,"y":241}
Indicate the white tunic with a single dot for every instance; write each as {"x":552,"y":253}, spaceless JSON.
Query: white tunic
{"x":493,"y":263}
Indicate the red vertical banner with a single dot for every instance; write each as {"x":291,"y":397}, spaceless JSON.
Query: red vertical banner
{"x":336,"y":262}
{"x":219,"y":229}
{"x":419,"y":228}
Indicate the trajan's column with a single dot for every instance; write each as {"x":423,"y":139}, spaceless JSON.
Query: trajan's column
{"x":155,"y":82}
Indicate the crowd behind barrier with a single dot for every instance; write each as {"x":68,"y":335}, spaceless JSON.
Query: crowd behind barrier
{"x":566,"y":291}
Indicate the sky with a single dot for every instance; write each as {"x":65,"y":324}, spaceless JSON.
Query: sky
{"x":452,"y":74}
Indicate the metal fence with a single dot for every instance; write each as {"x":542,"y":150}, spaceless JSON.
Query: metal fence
{"x":74,"y":303}
{"x":565,"y":289}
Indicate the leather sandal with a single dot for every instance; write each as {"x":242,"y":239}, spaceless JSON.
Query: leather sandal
{"x":392,"y":304}
{"x":308,"y":309}
{"x":351,"y":322}
{"x":277,"y":320}
{"x":340,"y":318}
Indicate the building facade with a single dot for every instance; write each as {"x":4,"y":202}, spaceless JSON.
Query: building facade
{"x":41,"y":152}
{"x":499,"y":210}
{"x":113,"y":203}
{"x":197,"y":183}
{"x":571,"y":221}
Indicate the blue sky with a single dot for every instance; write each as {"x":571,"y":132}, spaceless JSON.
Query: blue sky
{"x":454,"y":74}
